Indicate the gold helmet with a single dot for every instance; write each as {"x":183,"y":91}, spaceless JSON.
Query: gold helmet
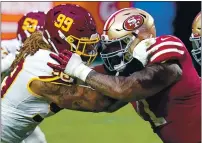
{"x":196,"y":38}
{"x":122,"y":31}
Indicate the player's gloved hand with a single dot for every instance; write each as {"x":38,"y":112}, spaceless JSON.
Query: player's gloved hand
{"x":71,"y":64}
{"x":141,"y":51}
{"x":62,"y":59}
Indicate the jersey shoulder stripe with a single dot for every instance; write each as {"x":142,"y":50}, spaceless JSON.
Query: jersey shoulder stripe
{"x":168,"y":47}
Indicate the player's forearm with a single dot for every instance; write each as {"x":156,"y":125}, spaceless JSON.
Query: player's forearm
{"x":117,"y":87}
{"x":75,"y":97}
{"x":111,"y":86}
{"x":52,"y":92}
{"x":138,"y":86}
{"x":85,"y":100}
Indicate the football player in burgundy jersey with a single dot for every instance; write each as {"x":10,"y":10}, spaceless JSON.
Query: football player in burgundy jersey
{"x":159,"y":81}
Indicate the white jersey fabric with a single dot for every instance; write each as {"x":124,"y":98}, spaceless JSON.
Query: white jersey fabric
{"x":8,"y":52}
{"x":19,"y":105}
{"x":11,"y":45}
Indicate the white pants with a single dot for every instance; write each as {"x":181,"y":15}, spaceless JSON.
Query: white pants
{"x":14,"y":127}
{"x":36,"y":137}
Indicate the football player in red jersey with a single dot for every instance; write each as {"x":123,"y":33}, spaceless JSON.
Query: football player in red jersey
{"x":162,"y":85}
{"x":195,"y":38}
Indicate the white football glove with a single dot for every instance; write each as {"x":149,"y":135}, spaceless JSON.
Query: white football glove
{"x":140,"y":51}
{"x":76,"y":67}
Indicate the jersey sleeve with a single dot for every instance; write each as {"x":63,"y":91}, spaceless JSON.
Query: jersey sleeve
{"x":168,"y":48}
{"x":6,"y":62}
{"x":58,"y":78}
{"x":11,"y":45}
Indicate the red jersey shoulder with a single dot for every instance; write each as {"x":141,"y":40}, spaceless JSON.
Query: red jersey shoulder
{"x":168,"y":47}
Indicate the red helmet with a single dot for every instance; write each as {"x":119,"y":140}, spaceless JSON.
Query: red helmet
{"x":71,"y":27}
{"x":29,"y":23}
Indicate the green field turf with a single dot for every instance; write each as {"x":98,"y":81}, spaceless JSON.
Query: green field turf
{"x":123,"y":126}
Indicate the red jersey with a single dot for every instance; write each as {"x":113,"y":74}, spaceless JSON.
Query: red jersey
{"x":175,"y":112}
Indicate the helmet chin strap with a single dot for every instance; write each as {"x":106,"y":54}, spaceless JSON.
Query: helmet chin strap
{"x":120,"y":67}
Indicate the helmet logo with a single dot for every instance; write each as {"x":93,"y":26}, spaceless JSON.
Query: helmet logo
{"x":133,"y":22}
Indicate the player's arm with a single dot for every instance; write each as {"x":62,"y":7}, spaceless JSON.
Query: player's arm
{"x":75,"y":97}
{"x":149,"y":81}
{"x":139,"y":85}
{"x":116,"y":105}
{"x":155,"y":77}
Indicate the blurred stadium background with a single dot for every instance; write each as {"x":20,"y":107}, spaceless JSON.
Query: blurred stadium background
{"x":124,"y":125}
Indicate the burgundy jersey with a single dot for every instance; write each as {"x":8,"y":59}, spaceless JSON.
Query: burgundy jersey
{"x":174,"y":113}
